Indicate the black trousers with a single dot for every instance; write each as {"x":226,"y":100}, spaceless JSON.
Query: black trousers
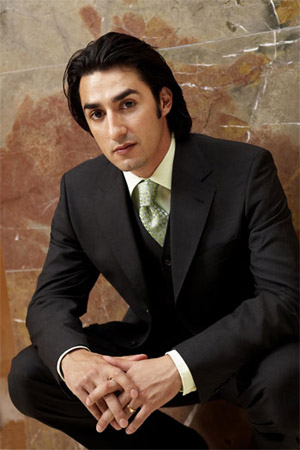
{"x":268,"y":390}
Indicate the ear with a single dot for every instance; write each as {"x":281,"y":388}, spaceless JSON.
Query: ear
{"x":166,"y":100}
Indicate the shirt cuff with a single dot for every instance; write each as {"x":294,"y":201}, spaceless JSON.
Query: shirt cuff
{"x":188,"y":384}
{"x":58,"y":366}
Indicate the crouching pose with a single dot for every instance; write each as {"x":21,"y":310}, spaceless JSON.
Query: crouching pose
{"x":196,"y":235}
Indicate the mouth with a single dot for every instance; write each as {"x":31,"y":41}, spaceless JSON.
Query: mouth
{"x":124,"y":148}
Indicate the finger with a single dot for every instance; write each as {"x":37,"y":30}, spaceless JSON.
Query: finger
{"x":100,"y":391}
{"x":138,"y":357}
{"x":122,"y":363}
{"x":116,"y":411}
{"x":130,"y":408}
{"x":103,"y":407}
{"x":119,"y":381}
{"x":96,"y":409}
{"x":126,"y":383}
{"x":115,"y":425}
{"x":93,"y":409}
{"x":97,"y":413}
{"x":108,"y":417}
{"x":139,"y":419}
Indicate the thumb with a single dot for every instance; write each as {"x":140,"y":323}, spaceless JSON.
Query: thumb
{"x":123,"y":364}
{"x":138,"y":357}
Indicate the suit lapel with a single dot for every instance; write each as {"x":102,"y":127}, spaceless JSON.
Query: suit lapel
{"x":115,"y":220}
{"x":192,"y":195}
{"x":191,"y":199}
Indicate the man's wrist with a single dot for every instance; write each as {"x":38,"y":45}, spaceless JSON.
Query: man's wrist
{"x":60,"y":359}
{"x":174,"y":374}
{"x":188,"y":384}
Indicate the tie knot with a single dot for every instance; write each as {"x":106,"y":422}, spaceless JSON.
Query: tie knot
{"x":147,"y":191}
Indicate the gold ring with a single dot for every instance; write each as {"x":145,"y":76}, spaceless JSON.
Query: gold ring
{"x":131,"y":410}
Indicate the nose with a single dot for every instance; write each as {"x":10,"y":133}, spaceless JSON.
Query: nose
{"x":116,"y":127}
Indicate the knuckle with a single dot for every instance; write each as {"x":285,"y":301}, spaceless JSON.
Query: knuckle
{"x":77,"y":387}
{"x":108,"y":398}
{"x":84,"y":380}
{"x":91,"y":398}
{"x":150,"y":406}
{"x":116,"y":372}
{"x":107,"y":385}
{"x":92,"y":373}
{"x":119,"y":416}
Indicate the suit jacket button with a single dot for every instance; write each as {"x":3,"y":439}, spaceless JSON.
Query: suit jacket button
{"x":133,"y":343}
{"x":168,"y":262}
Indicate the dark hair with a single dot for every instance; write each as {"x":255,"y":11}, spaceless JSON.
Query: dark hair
{"x":117,"y":49}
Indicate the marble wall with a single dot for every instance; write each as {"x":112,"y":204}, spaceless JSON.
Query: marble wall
{"x":236,"y":60}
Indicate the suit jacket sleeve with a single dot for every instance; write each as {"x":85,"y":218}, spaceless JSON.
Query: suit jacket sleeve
{"x":270,"y":317}
{"x":62,"y":291}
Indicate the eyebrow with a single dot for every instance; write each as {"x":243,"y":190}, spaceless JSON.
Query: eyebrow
{"x":115,"y":99}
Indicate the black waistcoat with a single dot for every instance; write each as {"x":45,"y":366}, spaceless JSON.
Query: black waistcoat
{"x":167,"y":327}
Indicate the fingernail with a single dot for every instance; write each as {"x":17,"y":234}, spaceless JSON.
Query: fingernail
{"x":123,"y":423}
{"x":88,"y":402}
{"x":134,"y":393}
{"x":98,"y":428}
{"x":128,"y":431}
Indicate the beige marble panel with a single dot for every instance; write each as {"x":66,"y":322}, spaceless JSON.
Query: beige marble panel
{"x":238,"y":64}
{"x":279,"y":103}
{"x":182,"y":22}
{"x":247,"y":89}
{"x":41,"y":33}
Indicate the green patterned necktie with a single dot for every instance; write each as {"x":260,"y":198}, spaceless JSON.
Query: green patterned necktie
{"x":153,"y":217}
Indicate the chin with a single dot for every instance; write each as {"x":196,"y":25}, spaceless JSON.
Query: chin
{"x":130,"y":166}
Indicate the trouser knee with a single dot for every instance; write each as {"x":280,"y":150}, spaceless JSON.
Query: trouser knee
{"x":23,"y":381}
{"x":275,"y":404}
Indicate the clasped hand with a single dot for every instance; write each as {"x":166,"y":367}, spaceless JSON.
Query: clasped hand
{"x":107,"y":385}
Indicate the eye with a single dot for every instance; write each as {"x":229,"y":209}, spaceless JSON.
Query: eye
{"x":128,"y":104}
{"x":96,"y":115}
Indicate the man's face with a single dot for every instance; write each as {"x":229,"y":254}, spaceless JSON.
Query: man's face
{"x":122,"y":115}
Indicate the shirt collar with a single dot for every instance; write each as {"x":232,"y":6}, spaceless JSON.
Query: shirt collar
{"x":162,"y":174}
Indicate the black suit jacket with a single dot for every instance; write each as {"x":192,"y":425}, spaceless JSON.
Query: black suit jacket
{"x":233,"y":249}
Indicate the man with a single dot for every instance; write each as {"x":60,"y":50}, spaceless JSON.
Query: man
{"x":196,"y":235}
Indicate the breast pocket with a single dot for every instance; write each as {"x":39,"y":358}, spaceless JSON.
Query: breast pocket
{"x":221,"y":252}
